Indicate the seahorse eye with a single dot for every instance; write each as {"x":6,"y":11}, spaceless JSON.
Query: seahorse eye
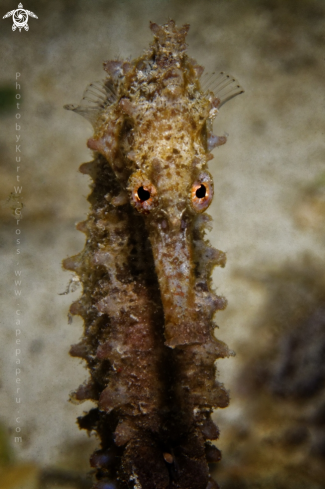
{"x":143,"y":196}
{"x":202,"y":192}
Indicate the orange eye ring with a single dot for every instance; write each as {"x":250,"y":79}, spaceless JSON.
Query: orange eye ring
{"x":143,"y":196}
{"x":202,"y":193}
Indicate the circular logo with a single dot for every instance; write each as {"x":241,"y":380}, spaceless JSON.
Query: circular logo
{"x":20,"y":17}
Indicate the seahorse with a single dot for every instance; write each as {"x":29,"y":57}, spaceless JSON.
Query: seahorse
{"x":147,"y":301}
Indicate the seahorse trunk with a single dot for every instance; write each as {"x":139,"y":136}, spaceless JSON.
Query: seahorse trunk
{"x":123,"y":341}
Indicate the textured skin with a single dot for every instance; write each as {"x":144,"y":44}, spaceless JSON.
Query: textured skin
{"x":146,"y":269}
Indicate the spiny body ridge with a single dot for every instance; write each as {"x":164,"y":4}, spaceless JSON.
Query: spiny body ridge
{"x":147,"y":300}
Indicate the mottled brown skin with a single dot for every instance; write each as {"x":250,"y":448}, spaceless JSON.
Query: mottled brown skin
{"x":146,"y":271}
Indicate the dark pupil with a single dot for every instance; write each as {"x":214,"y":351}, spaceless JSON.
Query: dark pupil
{"x":143,"y":194}
{"x":200,"y":193}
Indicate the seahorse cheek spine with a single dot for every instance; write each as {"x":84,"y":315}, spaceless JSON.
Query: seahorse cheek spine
{"x":146,"y":269}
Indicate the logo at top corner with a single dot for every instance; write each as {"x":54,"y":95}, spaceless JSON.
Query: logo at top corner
{"x":20,"y":18}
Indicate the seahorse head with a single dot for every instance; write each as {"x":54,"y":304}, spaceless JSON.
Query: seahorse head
{"x":169,"y":183}
{"x":157,"y":137}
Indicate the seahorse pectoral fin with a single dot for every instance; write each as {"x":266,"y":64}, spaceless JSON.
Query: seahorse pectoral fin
{"x":224,"y":86}
{"x":97,"y":96}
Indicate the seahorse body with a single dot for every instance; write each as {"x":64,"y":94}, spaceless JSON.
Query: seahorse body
{"x":146,"y":269}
